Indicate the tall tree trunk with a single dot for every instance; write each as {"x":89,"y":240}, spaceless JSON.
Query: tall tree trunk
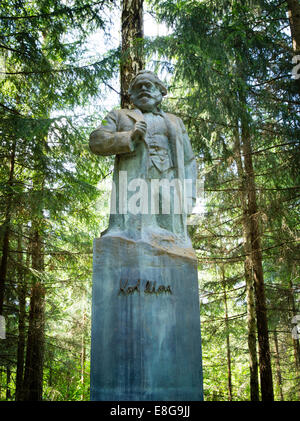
{"x":5,"y":243}
{"x":21,"y":290}
{"x":278,"y":369}
{"x":266,"y":380}
{"x":228,"y":352}
{"x":294,"y":18}
{"x":251,"y":320}
{"x":251,"y":324}
{"x":33,"y":378}
{"x":132,"y":56}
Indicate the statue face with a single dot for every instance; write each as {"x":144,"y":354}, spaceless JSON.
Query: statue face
{"x":145,"y":95}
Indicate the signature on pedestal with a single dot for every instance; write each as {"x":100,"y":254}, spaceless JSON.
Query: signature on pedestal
{"x":150,"y":287}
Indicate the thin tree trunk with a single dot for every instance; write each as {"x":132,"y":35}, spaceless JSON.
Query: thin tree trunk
{"x":229,"y":379}
{"x":1,"y":372}
{"x":132,"y":56}
{"x":21,"y":290}
{"x":266,"y":380}
{"x":251,"y":320}
{"x":278,"y":369}
{"x":5,"y":244}
{"x":50,"y":373}
{"x":8,"y":391}
{"x":33,"y":379}
{"x":8,"y":370}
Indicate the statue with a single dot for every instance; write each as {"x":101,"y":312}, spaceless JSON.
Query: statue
{"x":153,"y":153}
{"x":146,"y":339}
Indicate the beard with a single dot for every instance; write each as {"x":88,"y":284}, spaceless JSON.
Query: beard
{"x":147,"y":101}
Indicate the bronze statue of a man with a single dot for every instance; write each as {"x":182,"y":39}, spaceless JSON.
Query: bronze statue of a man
{"x":155,"y":169}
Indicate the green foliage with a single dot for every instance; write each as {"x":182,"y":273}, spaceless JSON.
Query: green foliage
{"x":50,"y":180}
{"x":230,"y":61}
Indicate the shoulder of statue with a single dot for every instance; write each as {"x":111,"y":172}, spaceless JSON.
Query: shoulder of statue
{"x":116,"y":114}
{"x":121,"y":111}
{"x":172,"y":117}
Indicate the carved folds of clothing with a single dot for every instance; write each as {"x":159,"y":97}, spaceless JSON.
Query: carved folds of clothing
{"x":166,"y":153}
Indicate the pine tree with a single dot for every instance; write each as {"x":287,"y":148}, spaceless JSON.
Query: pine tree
{"x":45,"y":174}
{"x":132,"y":29}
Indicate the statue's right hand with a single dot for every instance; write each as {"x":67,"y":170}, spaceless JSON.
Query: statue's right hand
{"x":139,"y":131}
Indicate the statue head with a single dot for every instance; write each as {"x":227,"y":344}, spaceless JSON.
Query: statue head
{"x":146,"y":91}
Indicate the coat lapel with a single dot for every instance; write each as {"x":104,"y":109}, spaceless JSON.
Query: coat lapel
{"x":135,"y":114}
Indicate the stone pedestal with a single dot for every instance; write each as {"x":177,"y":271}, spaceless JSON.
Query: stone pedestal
{"x":146,"y":343}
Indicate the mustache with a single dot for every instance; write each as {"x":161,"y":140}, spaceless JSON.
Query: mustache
{"x":145,"y":93}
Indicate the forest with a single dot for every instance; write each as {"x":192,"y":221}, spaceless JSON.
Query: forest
{"x":232,"y":69}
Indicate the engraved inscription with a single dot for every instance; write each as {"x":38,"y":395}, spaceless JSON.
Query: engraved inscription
{"x":149,"y":288}
{"x":127,"y":290}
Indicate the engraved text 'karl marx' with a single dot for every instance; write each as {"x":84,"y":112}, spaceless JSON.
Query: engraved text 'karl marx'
{"x":149,"y":288}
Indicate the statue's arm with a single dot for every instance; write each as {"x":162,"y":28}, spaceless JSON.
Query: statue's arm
{"x":190,"y":166}
{"x":106,"y":140}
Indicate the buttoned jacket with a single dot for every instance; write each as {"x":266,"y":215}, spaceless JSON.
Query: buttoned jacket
{"x":113,"y":137}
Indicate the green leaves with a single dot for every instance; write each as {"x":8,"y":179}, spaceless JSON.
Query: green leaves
{"x":49,"y":183}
